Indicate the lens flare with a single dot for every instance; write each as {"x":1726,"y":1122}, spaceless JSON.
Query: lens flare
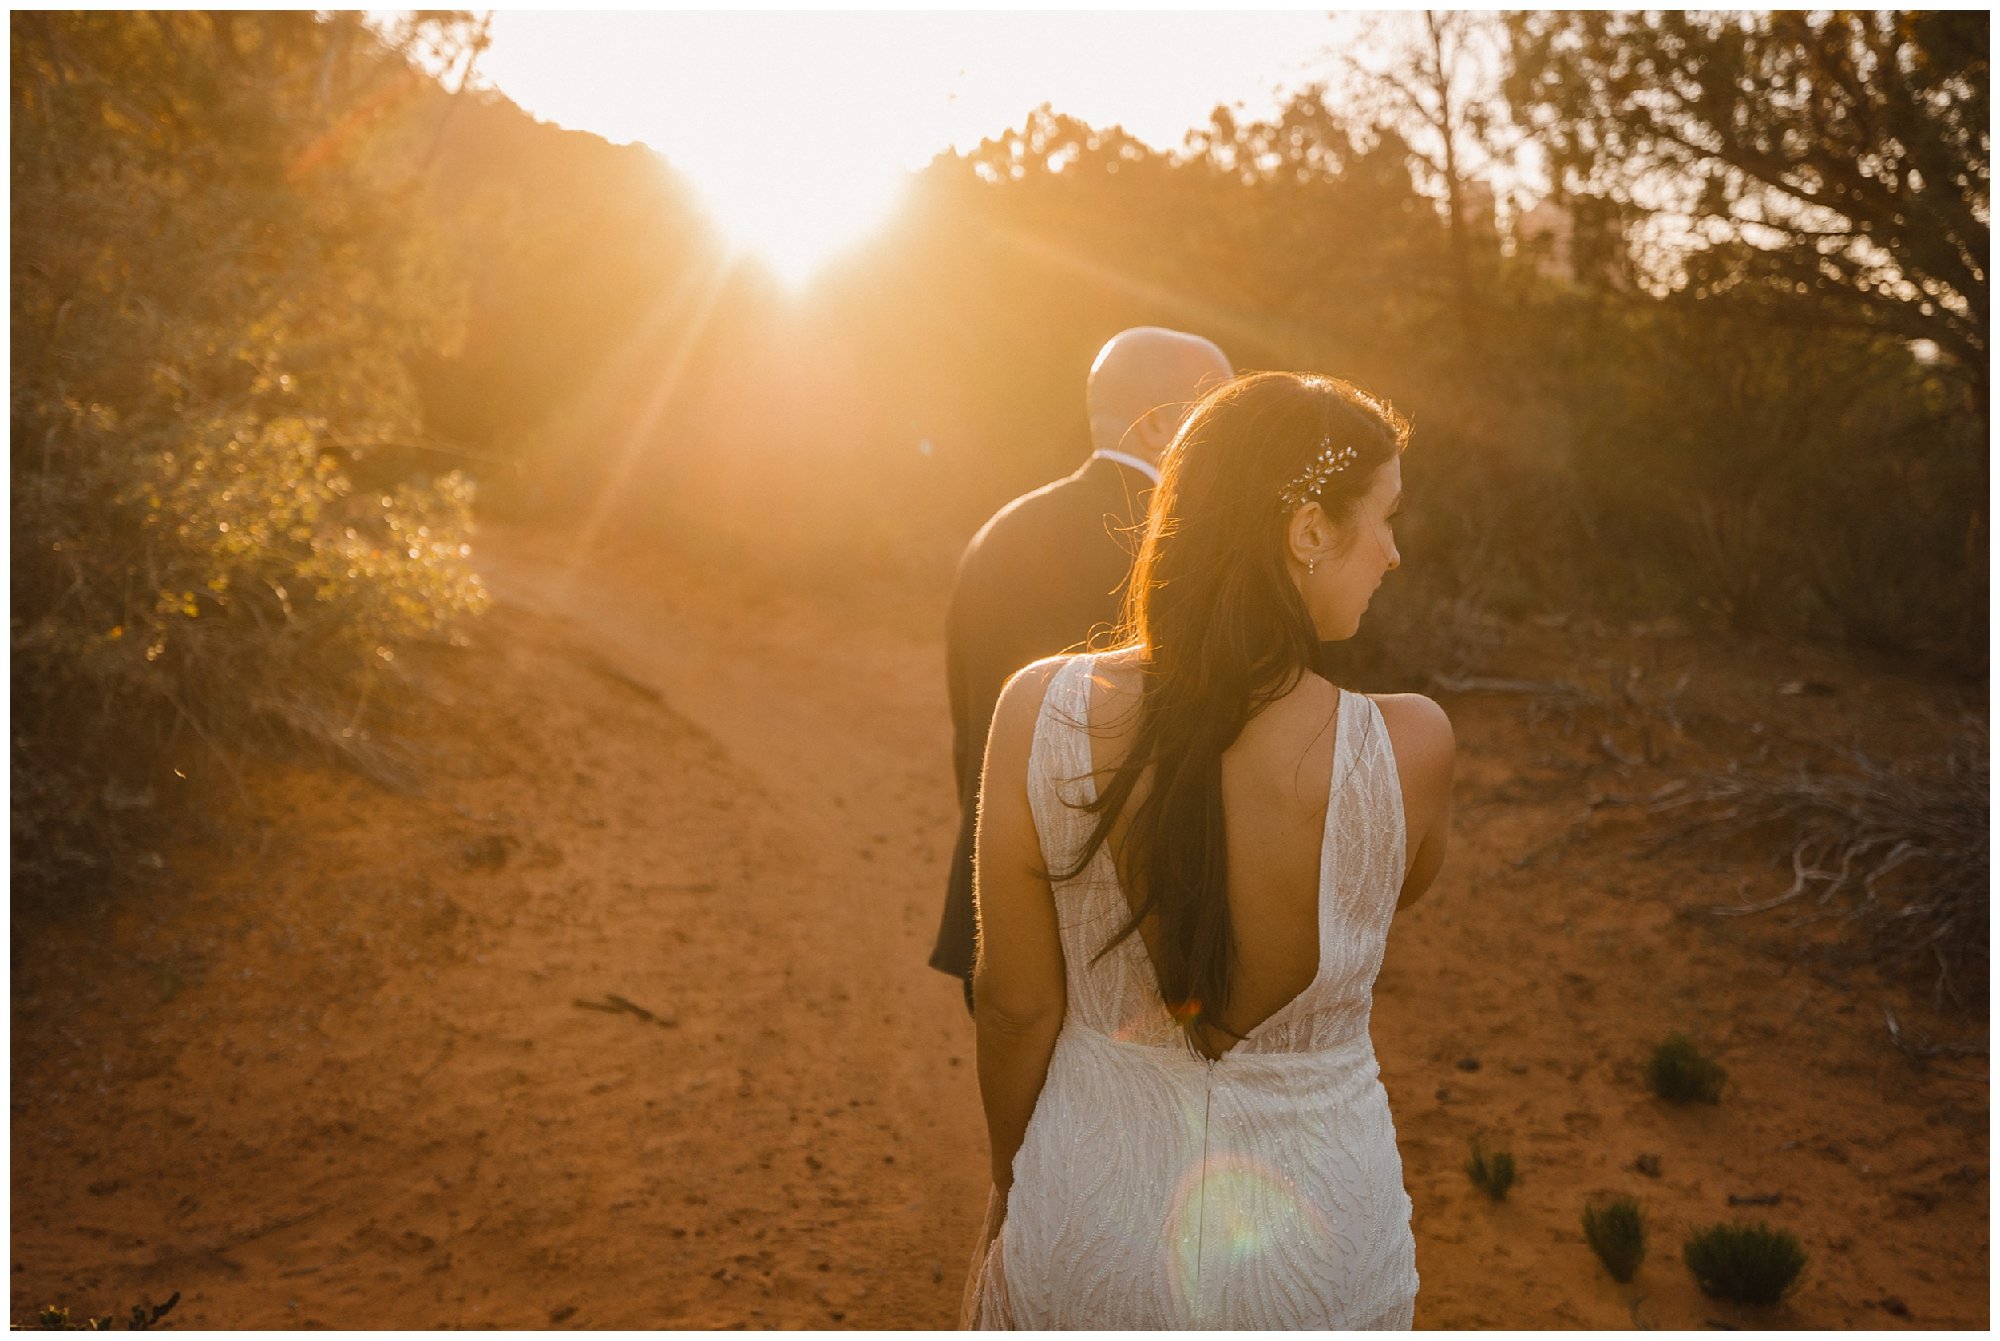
{"x":1229,"y":1213}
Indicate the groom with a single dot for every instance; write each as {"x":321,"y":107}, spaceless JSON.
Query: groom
{"x":1047,"y":568}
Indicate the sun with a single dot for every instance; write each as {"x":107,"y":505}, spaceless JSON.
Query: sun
{"x":792,"y":209}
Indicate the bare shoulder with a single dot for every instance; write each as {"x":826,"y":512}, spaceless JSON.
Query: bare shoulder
{"x":1021,"y":700}
{"x":1116,"y":680}
{"x":1420,"y":732}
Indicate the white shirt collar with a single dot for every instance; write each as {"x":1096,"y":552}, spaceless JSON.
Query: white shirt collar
{"x":1138,"y":463}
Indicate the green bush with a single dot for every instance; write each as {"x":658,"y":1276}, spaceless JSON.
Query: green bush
{"x":1681,"y":1072}
{"x":1492,"y":1174}
{"x":1747,"y":1264}
{"x":1616,"y":1232}
{"x":213,"y":304}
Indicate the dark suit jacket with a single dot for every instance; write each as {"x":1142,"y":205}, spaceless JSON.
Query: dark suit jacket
{"x":1041,"y":575}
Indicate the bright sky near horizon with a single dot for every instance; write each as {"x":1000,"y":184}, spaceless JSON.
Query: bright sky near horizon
{"x":798,"y":127}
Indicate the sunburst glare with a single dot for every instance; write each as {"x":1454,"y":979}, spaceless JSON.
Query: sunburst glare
{"x":798,"y":130}
{"x":792,"y":213}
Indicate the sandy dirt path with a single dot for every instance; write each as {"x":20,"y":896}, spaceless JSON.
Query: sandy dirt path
{"x":619,"y":1016}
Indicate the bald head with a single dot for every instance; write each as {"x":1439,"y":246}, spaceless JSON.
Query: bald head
{"x":1143,"y":384}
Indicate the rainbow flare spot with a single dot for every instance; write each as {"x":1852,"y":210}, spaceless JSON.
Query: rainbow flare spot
{"x":1228,"y":1212}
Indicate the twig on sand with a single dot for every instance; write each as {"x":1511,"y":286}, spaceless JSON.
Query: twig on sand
{"x":1623,"y":758}
{"x":1486,"y":684}
{"x":1925,"y":1048}
{"x":613,"y":1004}
{"x":1802,"y":876}
{"x":1554,"y":843}
{"x":599,"y":666}
{"x":242,"y":1237}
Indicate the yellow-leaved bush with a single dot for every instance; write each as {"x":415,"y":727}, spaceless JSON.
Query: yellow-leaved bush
{"x":215,"y":302}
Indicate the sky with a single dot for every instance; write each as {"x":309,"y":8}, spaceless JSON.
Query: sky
{"x":731,"y":99}
{"x":909,"y":83}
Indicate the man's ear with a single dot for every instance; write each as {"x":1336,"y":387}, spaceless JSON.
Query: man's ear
{"x":1157,"y":429}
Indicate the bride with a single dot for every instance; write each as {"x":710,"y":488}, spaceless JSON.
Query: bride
{"x":1189,"y":853}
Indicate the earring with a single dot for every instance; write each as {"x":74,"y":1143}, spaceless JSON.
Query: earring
{"x":1312,"y":566}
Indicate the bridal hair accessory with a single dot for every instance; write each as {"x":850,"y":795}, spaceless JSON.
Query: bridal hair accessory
{"x":1330,"y":462}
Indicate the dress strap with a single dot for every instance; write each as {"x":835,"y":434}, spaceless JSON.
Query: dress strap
{"x":1059,"y":779}
{"x":1062,"y":731}
{"x":1372,"y":757}
{"x":1348,"y":724}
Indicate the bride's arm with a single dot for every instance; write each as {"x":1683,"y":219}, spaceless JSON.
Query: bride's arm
{"x":1426,"y":751}
{"x":1017,"y":984}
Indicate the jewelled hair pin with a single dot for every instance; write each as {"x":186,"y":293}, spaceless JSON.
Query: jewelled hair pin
{"x":1330,"y":462}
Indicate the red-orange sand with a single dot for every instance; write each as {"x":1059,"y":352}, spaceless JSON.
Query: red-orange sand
{"x":343,"y":1079}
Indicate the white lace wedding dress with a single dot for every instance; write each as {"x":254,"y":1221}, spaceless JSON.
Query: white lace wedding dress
{"x":1156,"y":1189}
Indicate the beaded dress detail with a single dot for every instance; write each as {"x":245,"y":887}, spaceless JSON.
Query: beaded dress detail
{"x":1157,"y":1189}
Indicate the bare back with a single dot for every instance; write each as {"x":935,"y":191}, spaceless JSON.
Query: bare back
{"x":1276,"y":781}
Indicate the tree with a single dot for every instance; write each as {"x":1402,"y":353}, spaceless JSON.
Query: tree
{"x":1311,"y":222}
{"x":1428,"y":80}
{"x":1830,"y":166}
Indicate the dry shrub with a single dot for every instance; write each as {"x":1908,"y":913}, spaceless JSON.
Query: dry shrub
{"x":1899,"y":852}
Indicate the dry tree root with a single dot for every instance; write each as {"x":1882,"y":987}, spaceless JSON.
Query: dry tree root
{"x":1845,"y":834}
{"x":1921,"y":1048}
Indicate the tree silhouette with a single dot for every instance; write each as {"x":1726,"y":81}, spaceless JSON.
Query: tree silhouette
{"x":1830,"y":166}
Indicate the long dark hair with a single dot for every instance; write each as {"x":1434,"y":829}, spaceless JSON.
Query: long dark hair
{"x":1222,"y":633}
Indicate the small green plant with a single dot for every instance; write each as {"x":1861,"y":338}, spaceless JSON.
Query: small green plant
{"x":1616,"y":1232}
{"x":1748,"y":1264}
{"x":144,"y":1316}
{"x":1679,"y":1071}
{"x":1492,"y":1174}
{"x":53,"y":1319}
